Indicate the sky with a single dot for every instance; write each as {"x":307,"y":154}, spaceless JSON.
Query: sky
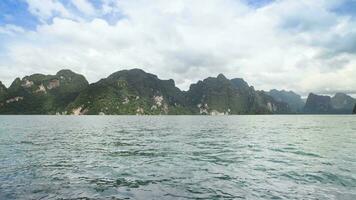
{"x":304,"y":46}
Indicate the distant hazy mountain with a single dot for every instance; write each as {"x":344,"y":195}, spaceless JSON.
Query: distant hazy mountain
{"x":293,"y":100}
{"x":134,"y":91}
{"x":342,"y":103}
{"x":318,"y":104}
{"x":338,"y":104}
{"x":42,"y":94}
{"x":354,"y":111}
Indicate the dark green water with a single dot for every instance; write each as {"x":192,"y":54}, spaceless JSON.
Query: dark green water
{"x":178,"y":157}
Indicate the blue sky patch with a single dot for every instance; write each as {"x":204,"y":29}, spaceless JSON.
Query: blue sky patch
{"x":348,"y":7}
{"x":258,"y":3}
{"x":16,"y":12}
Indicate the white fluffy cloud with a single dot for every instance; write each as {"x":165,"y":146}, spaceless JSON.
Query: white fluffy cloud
{"x":84,"y":6}
{"x":298,"y":45}
{"x":44,"y":10}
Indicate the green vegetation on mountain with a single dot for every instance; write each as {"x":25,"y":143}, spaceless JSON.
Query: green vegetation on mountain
{"x":293,"y":100}
{"x":223,"y":96}
{"x":135,"y":92}
{"x":130,"y":92}
{"x":43,"y":94}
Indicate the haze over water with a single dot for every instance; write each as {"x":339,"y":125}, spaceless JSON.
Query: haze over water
{"x":178,"y":157}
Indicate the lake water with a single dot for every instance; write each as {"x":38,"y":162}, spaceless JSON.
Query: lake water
{"x":178,"y":157}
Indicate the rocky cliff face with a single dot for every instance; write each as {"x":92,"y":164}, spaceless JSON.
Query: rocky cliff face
{"x":317,"y":104}
{"x":293,"y":100}
{"x":43,"y":94}
{"x":130,"y":92}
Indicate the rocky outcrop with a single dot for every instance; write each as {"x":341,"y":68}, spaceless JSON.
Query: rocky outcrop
{"x":79,"y":111}
{"x":14,"y":99}
{"x":54,"y":83}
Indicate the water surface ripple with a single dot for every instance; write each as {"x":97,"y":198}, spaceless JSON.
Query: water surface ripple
{"x":177,"y":157}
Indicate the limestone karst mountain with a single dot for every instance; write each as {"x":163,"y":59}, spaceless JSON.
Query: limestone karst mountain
{"x":340,"y":103}
{"x":130,"y":92}
{"x":136,"y":92}
{"x":42,"y":94}
{"x":318,"y":104}
{"x":223,"y":96}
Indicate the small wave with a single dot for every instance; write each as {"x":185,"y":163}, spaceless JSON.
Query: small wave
{"x":322,"y":177}
{"x":278,"y":150}
{"x":58,"y":165}
{"x":225,"y":177}
{"x":338,"y":179}
{"x":102,"y":184}
{"x":303,"y":153}
{"x":137,"y":153}
{"x":120,"y":144}
{"x":27,"y":142}
{"x":290,"y":150}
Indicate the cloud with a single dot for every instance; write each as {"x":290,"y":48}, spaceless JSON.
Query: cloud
{"x":298,"y":45}
{"x":11,"y":30}
{"x":84,"y":6}
{"x":45,"y":10}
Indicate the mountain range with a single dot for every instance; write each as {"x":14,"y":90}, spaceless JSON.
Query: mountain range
{"x":136,"y":92}
{"x":338,"y":104}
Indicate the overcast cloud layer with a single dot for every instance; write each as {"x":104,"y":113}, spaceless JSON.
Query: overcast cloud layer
{"x":304,"y":45}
